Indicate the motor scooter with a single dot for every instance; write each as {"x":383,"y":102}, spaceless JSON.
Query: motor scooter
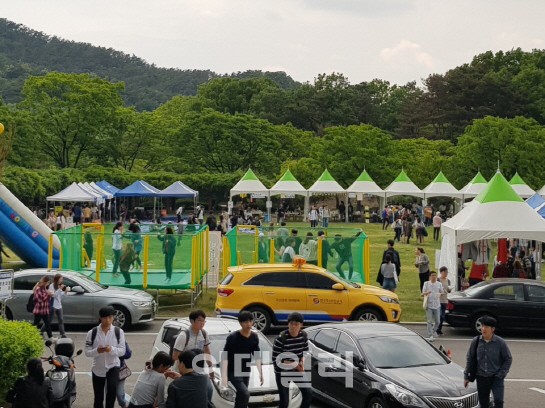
{"x":62,"y":372}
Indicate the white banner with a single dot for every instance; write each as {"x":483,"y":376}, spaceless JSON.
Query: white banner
{"x":6,"y":284}
{"x":214,"y":252}
{"x":259,"y":195}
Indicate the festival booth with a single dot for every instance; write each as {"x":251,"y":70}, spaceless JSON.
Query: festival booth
{"x":327,"y":185}
{"x":496,"y":213}
{"x":474,"y":187}
{"x":364,"y":184}
{"x":289,"y":187}
{"x":73,"y":192}
{"x":179,"y":190}
{"x":520,"y":187}
{"x":402,"y":186}
{"x":441,"y":187}
{"x":250,"y":184}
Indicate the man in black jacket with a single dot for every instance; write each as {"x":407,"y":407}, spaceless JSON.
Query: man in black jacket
{"x":189,"y":390}
{"x":395,"y":259}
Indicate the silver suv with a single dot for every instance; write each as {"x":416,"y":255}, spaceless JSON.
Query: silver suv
{"x":218,"y":328}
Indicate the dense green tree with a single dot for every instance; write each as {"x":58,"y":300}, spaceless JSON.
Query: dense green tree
{"x":71,"y":114}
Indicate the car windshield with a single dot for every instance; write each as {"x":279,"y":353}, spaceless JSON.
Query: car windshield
{"x":333,"y":276}
{"x":400,"y":352}
{"x":217,"y":343}
{"x":91,"y":284}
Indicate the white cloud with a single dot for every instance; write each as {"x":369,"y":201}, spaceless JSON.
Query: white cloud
{"x":406,"y":52}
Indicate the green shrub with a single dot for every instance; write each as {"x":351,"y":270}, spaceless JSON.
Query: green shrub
{"x":19,"y":341}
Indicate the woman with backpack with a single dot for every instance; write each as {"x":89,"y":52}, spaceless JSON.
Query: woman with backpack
{"x":127,"y":261}
{"x":33,"y":390}
{"x":41,"y":297}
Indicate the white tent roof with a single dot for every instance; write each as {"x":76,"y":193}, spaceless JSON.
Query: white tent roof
{"x":521,"y":187}
{"x":105,"y":193}
{"x":99,"y":197}
{"x":364,"y":184}
{"x":441,"y":187}
{"x":326,"y":184}
{"x":288,"y":184}
{"x":403,"y":185}
{"x":497,"y":212}
{"x":474,"y":187}
{"x":249,"y":184}
{"x":73,"y":193}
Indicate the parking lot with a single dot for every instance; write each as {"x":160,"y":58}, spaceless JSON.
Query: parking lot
{"x":525,"y":384}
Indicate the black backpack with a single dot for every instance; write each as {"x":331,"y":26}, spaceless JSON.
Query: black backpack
{"x":172,"y":340}
{"x":30,"y":304}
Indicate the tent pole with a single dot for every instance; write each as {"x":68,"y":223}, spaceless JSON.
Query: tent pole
{"x":346,"y":210}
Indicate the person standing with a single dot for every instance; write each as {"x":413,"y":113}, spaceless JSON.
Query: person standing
{"x":116,"y":246}
{"x":291,"y":343}
{"x":188,"y":390}
{"x":342,"y":211}
{"x":423,"y":264}
{"x":126,"y":262}
{"x":262,"y":249}
{"x":137,"y":242}
{"x":33,"y":390}
{"x":443,"y":300}
{"x":60,"y":221}
{"x":326,"y":215}
{"x":289,"y":252}
{"x":398,"y":227}
{"x":195,"y":338}
{"x":428,"y":212}
{"x":488,"y":361}
{"x":123,"y":374}
{"x":420,"y":229}
{"x":313,"y":217}
{"x":297,"y":239}
{"x":437,"y":226}
{"x":433,"y":290}
{"x":105,"y":344}
{"x":308,"y":249}
{"x":149,"y":390}
{"x":200,"y":212}
{"x":343,"y":247}
{"x":211,"y":221}
{"x":394,"y":255}
{"x":326,"y":248}
{"x":239,"y":348}
{"x":76,"y":212}
{"x":41,"y":310}
{"x":59,"y":292}
{"x":169,"y":250}
{"x":86,"y":214}
{"x":385,"y":218}
{"x":388,"y":272}
{"x":407,"y":229}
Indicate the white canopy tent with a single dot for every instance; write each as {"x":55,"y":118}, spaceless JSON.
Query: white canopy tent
{"x":497,"y":212}
{"x":441,"y":187}
{"x":403,"y":186}
{"x":250,"y":184}
{"x":105,"y":193}
{"x":99,"y":197}
{"x":474,"y":187}
{"x":364,"y":184}
{"x":73,"y":192}
{"x":326,"y":184}
{"x":288,"y":184}
{"x":520,"y":187}
{"x":541,"y":191}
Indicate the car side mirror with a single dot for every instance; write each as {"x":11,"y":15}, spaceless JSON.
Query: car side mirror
{"x":78,"y":289}
{"x":337,"y":286}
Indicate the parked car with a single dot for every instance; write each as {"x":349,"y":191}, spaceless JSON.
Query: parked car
{"x":218,"y":328}
{"x":272,"y":291}
{"x":514,"y":303}
{"x":82,"y":303}
{"x":389,"y":366}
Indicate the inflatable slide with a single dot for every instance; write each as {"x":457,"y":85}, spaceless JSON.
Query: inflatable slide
{"x":24,"y":233}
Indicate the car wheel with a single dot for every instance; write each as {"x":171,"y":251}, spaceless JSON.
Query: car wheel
{"x":122,"y":317}
{"x":262,"y":319}
{"x":377,"y":402}
{"x":368,"y":315}
{"x":476,"y":323}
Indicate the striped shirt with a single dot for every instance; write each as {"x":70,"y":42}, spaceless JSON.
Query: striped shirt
{"x":295,"y":346}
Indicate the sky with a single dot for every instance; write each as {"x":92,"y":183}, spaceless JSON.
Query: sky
{"x":394,"y":40}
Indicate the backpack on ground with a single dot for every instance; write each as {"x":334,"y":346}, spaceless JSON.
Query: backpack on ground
{"x":117,"y":331}
{"x":30,"y":304}
{"x":172,"y":340}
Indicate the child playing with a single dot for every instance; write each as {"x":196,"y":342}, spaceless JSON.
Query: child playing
{"x":127,"y":261}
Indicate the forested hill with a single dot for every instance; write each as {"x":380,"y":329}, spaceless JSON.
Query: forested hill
{"x":24,"y":52}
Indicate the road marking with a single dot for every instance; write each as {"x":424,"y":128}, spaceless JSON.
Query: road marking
{"x":90,"y":374}
{"x":126,"y":334}
{"x":523,"y":380}
{"x":537,"y":389}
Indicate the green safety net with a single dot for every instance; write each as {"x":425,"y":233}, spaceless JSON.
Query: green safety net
{"x":345,"y":249}
{"x":79,"y":253}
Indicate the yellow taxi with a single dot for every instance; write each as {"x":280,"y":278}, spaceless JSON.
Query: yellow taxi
{"x":272,"y":291}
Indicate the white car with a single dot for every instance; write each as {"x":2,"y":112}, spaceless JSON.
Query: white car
{"x":218,"y":328}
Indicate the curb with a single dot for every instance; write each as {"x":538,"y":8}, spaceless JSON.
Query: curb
{"x":401,"y":323}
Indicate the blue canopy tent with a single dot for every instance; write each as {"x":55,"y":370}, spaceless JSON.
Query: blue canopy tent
{"x":107,"y":187}
{"x":535,"y":201}
{"x":179,"y":190}
{"x":140,"y":189}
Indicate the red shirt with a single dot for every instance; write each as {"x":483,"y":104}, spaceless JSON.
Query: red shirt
{"x":41,"y":301}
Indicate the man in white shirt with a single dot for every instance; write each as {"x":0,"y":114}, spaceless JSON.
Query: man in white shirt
{"x":105,"y":343}
{"x":433,"y":289}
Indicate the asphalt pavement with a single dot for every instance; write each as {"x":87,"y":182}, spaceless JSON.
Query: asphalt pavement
{"x":525,"y":383}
